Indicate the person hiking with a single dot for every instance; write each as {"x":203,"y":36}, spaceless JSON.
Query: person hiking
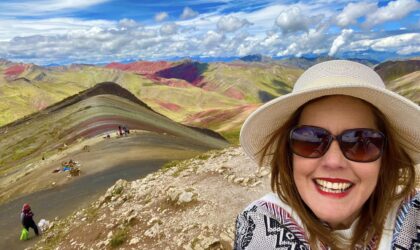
{"x":120,"y":131}
{"x":26,"y":217}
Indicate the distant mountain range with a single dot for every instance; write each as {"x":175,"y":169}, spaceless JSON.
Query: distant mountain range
{"x":217,"y":96}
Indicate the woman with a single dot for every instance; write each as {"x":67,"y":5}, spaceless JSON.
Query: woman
{"x":26,"y":217}
{"x":342,"y":151}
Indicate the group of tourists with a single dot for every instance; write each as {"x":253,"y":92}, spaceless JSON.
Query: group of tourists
{"x":123,"y":131}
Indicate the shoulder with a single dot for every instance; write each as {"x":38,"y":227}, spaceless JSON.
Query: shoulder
{"x":407,"y":223}
{"x":268,"y":223}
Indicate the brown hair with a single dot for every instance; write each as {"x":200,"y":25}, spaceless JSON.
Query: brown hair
{"x":395,"y":162}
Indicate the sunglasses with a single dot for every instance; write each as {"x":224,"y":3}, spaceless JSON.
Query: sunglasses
{"x":359,"y":144}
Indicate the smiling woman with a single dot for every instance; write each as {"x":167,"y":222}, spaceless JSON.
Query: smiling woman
{"x":342,"y":150}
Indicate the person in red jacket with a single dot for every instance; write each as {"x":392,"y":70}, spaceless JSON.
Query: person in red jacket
{"x":26,"y":217}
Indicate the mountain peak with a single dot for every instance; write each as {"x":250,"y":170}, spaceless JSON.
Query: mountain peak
{"x":255,"y":58}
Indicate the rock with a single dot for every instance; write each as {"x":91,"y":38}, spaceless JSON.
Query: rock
{"x":180,"y":196}
{"x":238,"y":180}
{"x":185,"y":197}
{"x":154,"y":220}
{"x":134,"y":241}
{"x":262,"y":172}
{"x":255,"y":184}
{"x":231,"y":178}
{"x":101,"y":244}
{"x":153,"y":231}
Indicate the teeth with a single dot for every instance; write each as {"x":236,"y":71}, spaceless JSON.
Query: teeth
{"x":332,"y":187}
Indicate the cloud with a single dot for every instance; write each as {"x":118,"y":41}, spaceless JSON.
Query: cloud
{"x":90,"y":45}
{"x":340,"y":41}
{"x":306,"y":27}
{"x":231,"y":23}
{"x":168,"y":29}
{"x":10,"y":28}
{"x":212,"y":39}
{"x":395,"y":10}
{"x":188,"y":13}
{"x":292,"y":20}
{"x":402,"y":44}
{"x":42,"y":7}
{"x":271,"y":40}
{"x":353,"y":11}
{"x":313,"y":41}
{"x":159,"y":17}
{"x":127,"y":23}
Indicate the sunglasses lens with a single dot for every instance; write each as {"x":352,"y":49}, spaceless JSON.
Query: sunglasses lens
{"x":362,"y":145}
{"x":310,"y":142}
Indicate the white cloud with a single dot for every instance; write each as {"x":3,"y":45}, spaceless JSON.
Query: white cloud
{"x":395,"y":10}
{"x":308,"y":42}
{"x":271,"y":40}
{"x":188,"y":13}
{"x":402,"y":44}
{"x":212,"y":39}
{"x":127,"y":23}
{"x":231,"y":23}
{"x":10,"y":28}
{"x":398,"y":42}
{"x":159,"y":17}
{"x":168,"y":29}
{"x":42,"y":7}
{"x":407,"y":50}
{"x":353,"y":11}
{"x":292,"y":20}
{"x":340,"y":41}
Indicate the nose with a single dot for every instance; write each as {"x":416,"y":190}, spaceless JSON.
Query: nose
{"x":334,"y":158}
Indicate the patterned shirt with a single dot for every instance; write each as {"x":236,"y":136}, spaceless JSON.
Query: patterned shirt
{"x":269,"y":223}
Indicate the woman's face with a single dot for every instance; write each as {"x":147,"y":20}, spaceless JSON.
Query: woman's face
{"x":314,"y":176}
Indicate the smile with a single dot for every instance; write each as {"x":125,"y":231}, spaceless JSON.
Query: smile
{"x":334,"y":186}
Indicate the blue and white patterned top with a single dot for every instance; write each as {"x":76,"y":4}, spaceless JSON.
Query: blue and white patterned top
{"x":269,"y":223}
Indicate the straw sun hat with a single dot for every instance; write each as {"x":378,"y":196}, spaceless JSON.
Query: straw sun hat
{"x":336,"y":77}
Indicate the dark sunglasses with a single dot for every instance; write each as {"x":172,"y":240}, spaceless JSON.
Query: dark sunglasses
{"x":359,"y":144}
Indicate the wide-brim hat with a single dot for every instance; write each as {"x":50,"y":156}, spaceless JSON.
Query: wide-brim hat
{"x":336,"y":77}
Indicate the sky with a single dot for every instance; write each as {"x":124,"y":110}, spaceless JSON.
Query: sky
{"x":100,"y":31}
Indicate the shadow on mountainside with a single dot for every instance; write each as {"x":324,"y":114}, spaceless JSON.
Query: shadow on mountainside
{"x":188,"y":71}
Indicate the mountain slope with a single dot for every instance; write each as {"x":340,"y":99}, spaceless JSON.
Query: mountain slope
{"x":189,"y":205}
{"x":394,"y":69}
{"x":402,"y":77}
{"x":93,"y":112}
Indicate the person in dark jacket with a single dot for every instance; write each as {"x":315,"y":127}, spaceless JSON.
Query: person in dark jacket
{"x":26,"y":217}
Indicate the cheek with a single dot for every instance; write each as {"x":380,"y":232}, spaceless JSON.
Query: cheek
{"x":302,"y":168}
{"x":369,"y":174}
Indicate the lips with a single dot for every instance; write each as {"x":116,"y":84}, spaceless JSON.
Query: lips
{"x":334,"y":187}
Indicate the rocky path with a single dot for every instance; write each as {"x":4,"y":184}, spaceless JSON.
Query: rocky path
{"x":189,"y":205}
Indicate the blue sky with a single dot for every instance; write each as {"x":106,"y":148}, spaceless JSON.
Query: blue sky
{"x":100,"y":31}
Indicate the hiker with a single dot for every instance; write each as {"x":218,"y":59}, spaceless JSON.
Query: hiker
{"x":126,"y":131}
{"x":120,"y":130}
{"x":26,"y":217}
{"x":342,"y":151}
